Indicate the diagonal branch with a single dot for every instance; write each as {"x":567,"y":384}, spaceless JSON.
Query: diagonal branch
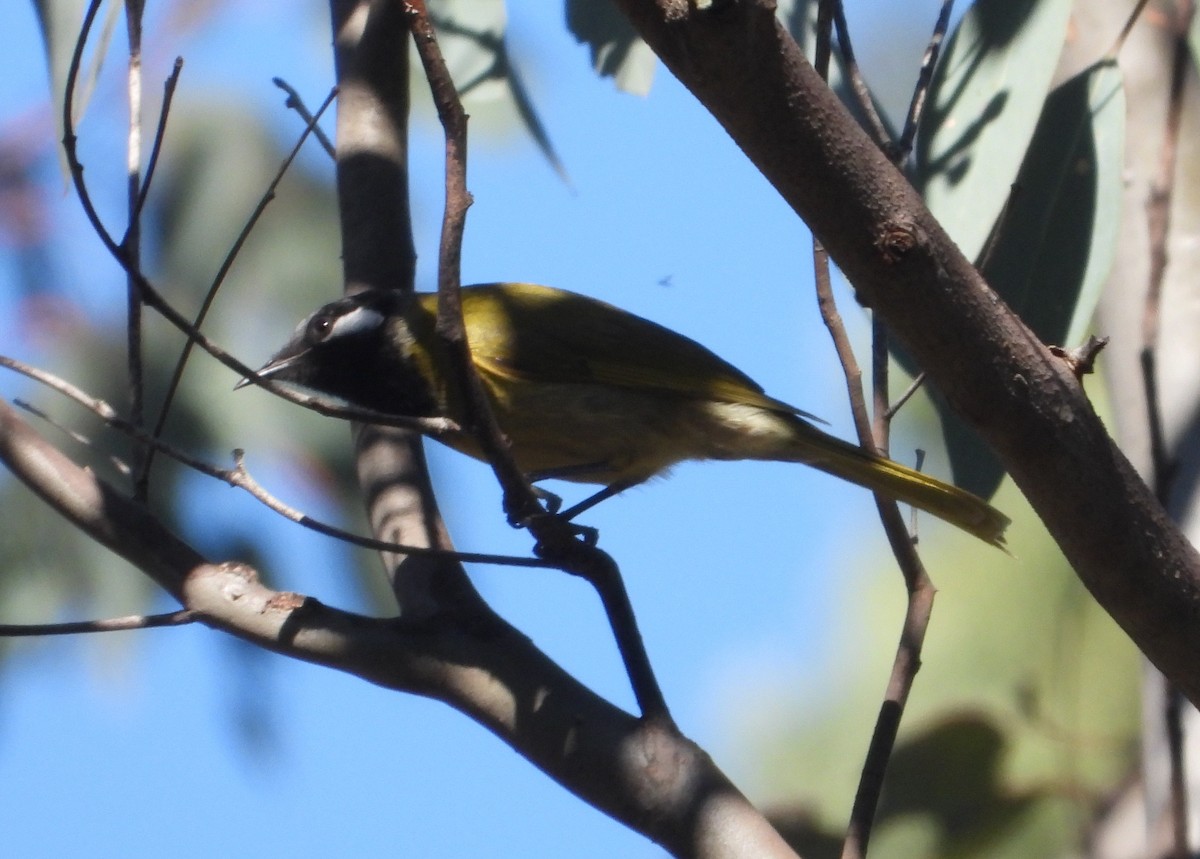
{"x":649,"y":778}
{"x":985,"y":361}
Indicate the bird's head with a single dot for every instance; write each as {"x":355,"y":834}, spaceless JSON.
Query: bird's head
{"x":362,"y":349}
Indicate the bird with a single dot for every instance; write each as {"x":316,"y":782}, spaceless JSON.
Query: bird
{"x":585,"y":392}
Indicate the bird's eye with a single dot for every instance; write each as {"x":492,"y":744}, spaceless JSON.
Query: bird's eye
{"x":319,"y":327}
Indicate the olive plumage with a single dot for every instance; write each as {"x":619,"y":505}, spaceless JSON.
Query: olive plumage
{"x":584,"y":391}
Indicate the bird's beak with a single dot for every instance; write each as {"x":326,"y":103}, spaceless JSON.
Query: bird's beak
{"x":266,"y":371}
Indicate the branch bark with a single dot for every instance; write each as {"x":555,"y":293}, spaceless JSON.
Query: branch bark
{"x":644,"y":775}
{"x":741,"y":63}
{"x":371,"y":64}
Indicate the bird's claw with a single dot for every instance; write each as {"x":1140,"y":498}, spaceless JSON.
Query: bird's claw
{"x":553,"y":502}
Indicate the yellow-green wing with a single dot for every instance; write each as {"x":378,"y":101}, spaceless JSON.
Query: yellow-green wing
{"x":537,"y":333}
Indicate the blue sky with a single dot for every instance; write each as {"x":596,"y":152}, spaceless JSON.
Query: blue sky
{"x":737,"y":571}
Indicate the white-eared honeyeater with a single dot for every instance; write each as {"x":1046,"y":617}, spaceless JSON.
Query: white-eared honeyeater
{"x":584,"y":391}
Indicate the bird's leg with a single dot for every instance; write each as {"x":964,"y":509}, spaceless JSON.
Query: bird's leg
{"x":568,"y":472}
{"x":553,"y":502}
{"x":592,"y":500}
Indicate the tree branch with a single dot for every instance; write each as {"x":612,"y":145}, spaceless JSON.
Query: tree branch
{"x":649,"y":778}
{"x":985,"y":361}
{"x":371,"y":63}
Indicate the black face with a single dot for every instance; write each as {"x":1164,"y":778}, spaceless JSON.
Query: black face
{"x":349,"y":349}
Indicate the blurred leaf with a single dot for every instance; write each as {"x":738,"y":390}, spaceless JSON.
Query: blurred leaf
{"x":471,"y":34}
{"x":616,"y":49}
{"x":529,"y":115}
{"x":1055,"y":243}
{"x":804,"y":832}
{"x":60,"y":21}
{"x":984,"y":103}
{"x":800,"y":17}
{"x":951,"y":772}
{"x":1055,"y":246}
{"x":1052,"y":723}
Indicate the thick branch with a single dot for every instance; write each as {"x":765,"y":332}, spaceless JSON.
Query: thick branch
{"x":371,"y":59}
{"x":745,"y":68}
{"x":649,"y":778}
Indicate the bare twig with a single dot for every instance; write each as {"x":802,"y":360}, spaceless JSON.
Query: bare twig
{"x":916,"y":107}
{"x":152,"y":297}
{"x":920,"y":592}
{"x":862,"y":93}
{"x":1082,"y":358}
{"x":1128,"y":28}
{"x":883,"y":412}
{"x":115,"y":624}
{"x":916,"y":580}
{"x":881,"y":425}
{"x":906,"y":396}
{"x":294,"y":102}
{"x":79,"y":438}
{"x":160,"y":133}
{"x":647,"y":777}
{"x":227,"y":264}
{"x":239,"y":476}
{"x":520,"y":500}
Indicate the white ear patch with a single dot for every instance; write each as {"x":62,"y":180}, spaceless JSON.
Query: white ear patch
{"x":357,"y":320}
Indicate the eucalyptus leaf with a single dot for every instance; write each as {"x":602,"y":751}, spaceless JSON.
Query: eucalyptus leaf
{"x":1053,"y":246}
{"x":984,"y":102}
{"x":471,"y":34}
{"x":616,"y":49}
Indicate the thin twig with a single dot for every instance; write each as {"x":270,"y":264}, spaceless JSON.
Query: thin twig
{"x":294,"y":102}
{"x":115,"y":624}
{"x":240,"y":478}
{"x":920,"y":588}
{"x":883,"y":412}
{"x":79,"y":438}
{"x":160,"y":134}
{"x":153,"y":298}
{"x":916,"y":107}
{"x":557,"y":539}
{"x":906,"y":396}
{"x":862,"y":93}
{"x":881,"y":425}
{"x":520,"y":500}
{"x":226,"y":265}
{"x":1127,"y":29}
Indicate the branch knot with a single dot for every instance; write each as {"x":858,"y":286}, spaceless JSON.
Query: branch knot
{"x":896,"y":240}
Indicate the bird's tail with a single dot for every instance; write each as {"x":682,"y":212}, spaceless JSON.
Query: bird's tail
{"x":956,"y":506}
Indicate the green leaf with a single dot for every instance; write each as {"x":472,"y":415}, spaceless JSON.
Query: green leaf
{"x":1054,"y":245}
{"x":471,"y":34}
{"x":984,"y":102}
{"x":616,"y":49}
